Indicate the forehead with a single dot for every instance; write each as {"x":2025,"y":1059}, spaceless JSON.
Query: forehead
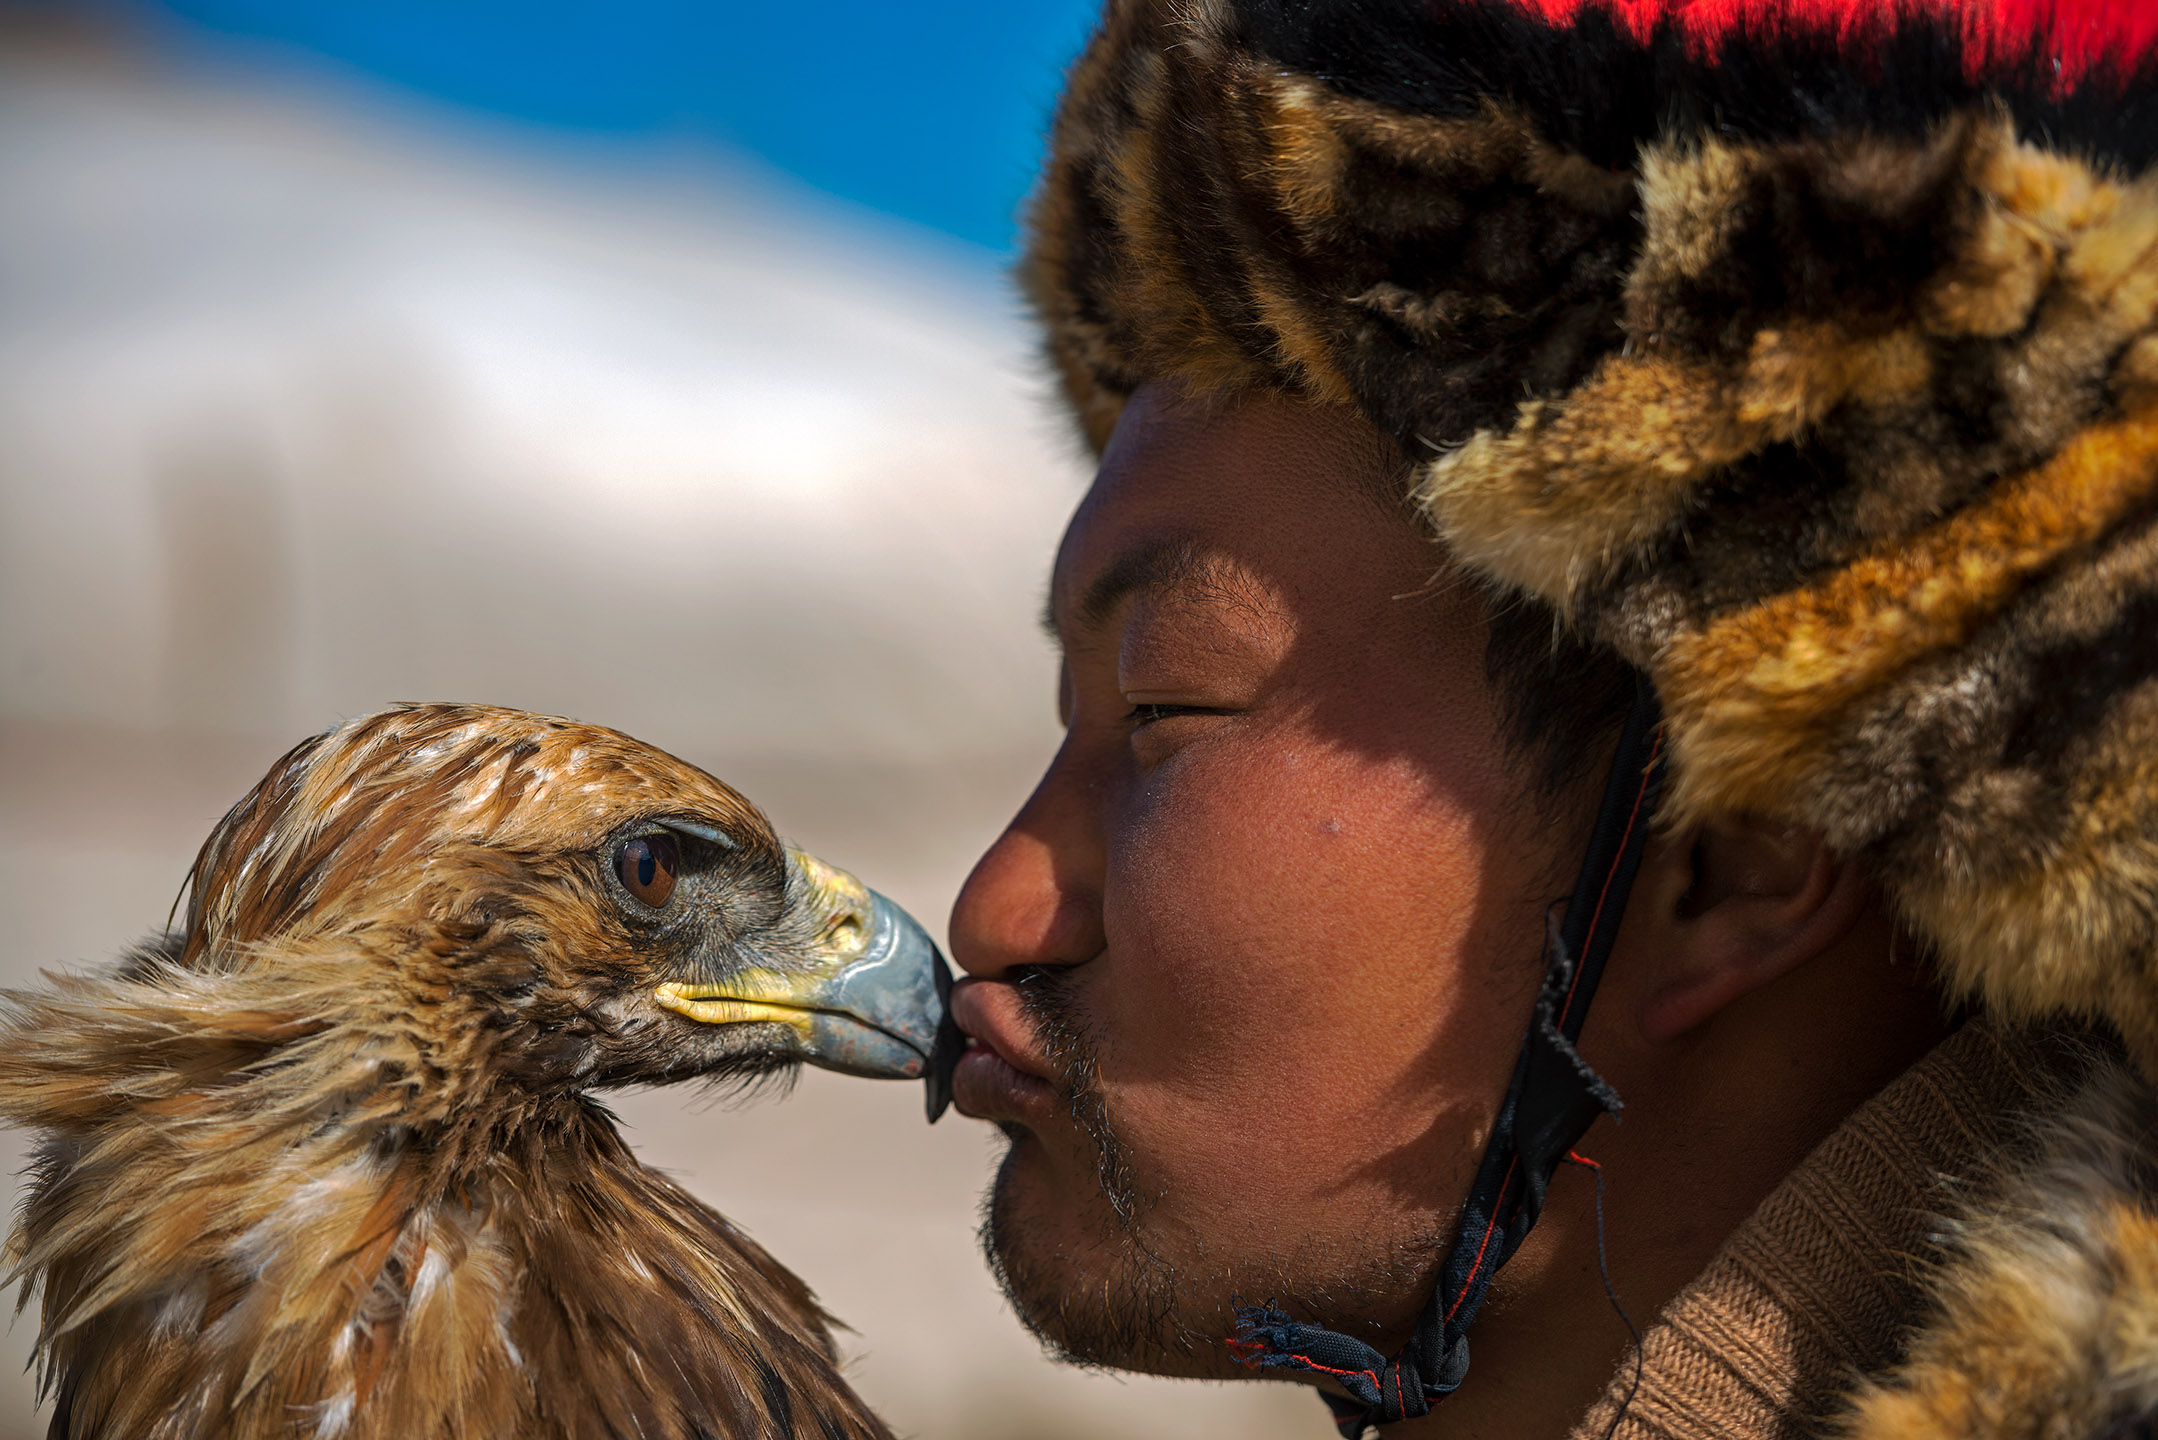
{"x":1272,"y":486}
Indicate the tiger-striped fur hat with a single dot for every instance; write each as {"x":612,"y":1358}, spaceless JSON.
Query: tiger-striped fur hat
{"x":1804,"y":352}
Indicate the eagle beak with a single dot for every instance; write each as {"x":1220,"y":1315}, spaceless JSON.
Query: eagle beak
{"x":872,"y":999}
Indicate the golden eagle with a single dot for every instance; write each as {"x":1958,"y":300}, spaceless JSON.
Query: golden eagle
{"x":325,"y":1161}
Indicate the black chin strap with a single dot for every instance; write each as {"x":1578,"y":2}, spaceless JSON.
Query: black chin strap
{"x":1553,"y":1098}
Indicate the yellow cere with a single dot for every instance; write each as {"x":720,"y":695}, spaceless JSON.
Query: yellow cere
{"x":788,"y":998}
{"x":843,"y":901}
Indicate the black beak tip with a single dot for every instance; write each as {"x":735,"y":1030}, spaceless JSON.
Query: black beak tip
{"x":951,"y":1043}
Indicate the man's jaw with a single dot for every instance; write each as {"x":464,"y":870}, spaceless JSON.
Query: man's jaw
{"x":1070,"y":1228}
{"x":1006,"y":1074}
{"x":1070,"y":1254}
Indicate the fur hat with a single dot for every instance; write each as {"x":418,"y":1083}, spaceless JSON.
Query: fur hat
{"x":1805,"y":352}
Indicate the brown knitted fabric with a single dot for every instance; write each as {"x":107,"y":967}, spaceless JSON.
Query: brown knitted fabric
{"x":1821,"y":1283}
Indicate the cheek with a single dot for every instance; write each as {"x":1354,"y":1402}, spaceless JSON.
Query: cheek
{"x":1303,"y":945}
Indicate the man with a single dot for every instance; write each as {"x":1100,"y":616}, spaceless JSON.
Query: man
{"x":1564,"y":461}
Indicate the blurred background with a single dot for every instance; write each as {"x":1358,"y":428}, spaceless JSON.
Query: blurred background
{"x":650,"y":362}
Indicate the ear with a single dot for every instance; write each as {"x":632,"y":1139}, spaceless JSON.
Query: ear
{"x":1735,"y":905}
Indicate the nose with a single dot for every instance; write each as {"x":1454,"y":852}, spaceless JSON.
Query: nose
{"x":1034,"y":897}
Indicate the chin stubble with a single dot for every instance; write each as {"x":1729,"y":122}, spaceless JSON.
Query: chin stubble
{"x":1137,"y":1313}
{"x":1132,"y":1315}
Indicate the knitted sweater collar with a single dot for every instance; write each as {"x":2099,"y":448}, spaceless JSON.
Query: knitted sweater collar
{"x":1818,"y":1290}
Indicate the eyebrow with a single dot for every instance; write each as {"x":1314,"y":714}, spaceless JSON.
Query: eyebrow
{"x":1170,"y":562}
{"x":1160,"y":562}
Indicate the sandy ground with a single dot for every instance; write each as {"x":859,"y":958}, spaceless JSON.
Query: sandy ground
{"x":305,"y":408}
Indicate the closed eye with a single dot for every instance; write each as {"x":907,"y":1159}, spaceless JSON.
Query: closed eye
{"x":1146,"y":712}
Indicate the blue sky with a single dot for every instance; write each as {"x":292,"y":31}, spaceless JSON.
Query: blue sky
{"x":931,"y":110}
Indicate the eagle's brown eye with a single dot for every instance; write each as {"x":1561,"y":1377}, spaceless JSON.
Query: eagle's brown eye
{"x":646,"y":867}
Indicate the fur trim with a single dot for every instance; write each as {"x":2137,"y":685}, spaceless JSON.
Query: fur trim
{"x":1807,"y":355}
{"x":2044,"y":1317}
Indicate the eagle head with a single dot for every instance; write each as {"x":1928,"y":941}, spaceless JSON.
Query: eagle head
{"x":546,"y":905}
{"x":325,"y":1159}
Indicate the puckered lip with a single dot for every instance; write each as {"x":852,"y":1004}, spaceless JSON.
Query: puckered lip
{"x":991,"y":1014}
{"x":1006,"y":1074}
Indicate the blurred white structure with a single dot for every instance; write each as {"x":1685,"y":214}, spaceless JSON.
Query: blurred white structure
{"x":296,"y":384}
{"x":306,"y":407}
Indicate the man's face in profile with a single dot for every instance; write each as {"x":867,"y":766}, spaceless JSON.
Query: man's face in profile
{"x":1252,"y":964}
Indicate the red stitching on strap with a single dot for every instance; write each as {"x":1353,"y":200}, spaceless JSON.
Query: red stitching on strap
{"x":1617,"y":857}
{"x":1490,"y":1225}
{"x":1595,"y":917}
{"x":1307,"y":1362}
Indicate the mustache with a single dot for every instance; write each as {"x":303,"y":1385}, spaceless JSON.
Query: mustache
{"x":1050,"y":1000}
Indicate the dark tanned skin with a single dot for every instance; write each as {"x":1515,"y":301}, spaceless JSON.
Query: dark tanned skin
{"x":1286,"y":883}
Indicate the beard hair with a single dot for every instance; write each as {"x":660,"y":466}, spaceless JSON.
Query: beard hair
{"x":1138,"y":1311}
{"x":1131,"y":1317}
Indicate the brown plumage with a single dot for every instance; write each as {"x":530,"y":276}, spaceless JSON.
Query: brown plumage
{"x":324,"y":1162}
